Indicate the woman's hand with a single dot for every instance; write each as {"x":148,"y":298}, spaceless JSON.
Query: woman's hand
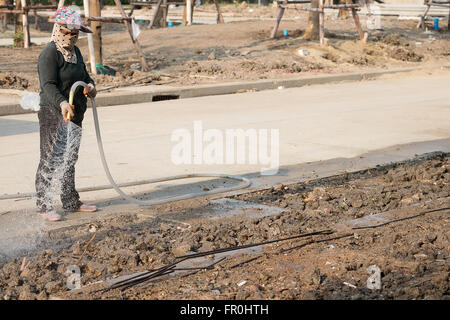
{"x":91,"y":92}
{"x":66,"y":111}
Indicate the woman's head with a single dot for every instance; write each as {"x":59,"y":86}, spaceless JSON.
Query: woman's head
{"x":65,"y":37}
{"x":67,"y":27}
{"x":70,"y":19}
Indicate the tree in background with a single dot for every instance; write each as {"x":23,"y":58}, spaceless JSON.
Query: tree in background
{"x":312,"y":29}
{"x":18,"y":27}
{"x":3,"y":16}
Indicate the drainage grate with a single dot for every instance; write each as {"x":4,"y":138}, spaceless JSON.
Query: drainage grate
{"x":165,"y":97}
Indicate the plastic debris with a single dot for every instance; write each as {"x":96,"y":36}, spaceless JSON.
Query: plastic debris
{"x":101,"y":69}
{"x":241,"y":283}
{"x":30,"y":101}
{"x":350,"y":285}
{"x":303,"y":52}
{"x":135,"y":29}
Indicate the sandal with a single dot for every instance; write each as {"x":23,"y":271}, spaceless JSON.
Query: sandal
{"x":87,"y":208}
{"x":50,"y":216}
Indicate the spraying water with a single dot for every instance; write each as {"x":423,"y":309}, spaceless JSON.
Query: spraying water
{"x":67,"y":141}
{"x":19,"y":233}
{"x":56,"y":171}
{"x":22,"y":232}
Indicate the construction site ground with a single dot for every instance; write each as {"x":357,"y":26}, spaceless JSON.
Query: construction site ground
{"x":410,"y":246}
{"x":379,"y":213}
{"x":240,"y":50}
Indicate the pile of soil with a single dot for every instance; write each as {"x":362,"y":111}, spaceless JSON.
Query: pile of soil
{"x":11,"y":81}
{"x":411,"y":254}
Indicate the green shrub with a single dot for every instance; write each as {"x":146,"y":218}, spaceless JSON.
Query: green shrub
{"x":18,"y":38}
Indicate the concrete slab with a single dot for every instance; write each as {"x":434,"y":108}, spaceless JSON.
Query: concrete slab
{"x":327,"y":129}
{"x":131,"y":95}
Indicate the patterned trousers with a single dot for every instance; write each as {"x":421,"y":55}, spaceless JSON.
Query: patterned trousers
{"x":59,"y":146}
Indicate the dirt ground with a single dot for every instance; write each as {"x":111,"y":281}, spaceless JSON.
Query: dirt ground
{"x":243,"y":51}
{"x":411,"y":253}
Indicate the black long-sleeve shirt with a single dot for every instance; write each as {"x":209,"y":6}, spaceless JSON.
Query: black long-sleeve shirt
{"x":56,"y":77}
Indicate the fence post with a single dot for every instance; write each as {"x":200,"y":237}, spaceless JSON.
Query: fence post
{"x":90,"y":39}
{"x":26,"y":28}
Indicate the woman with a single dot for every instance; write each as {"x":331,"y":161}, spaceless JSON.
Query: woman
{"x":60,"y":65}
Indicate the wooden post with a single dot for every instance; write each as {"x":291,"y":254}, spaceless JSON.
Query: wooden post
{"x":321,"y":23}
{"x":421,"y":23}
{"x":36,"y":18}
{"x":18,"y":27}
{"x":155,"y":14}
{"x":165,"y":12}
{"x":4,"y":18}
{"x":448,"y":22}
{"x":95,"y":11}
{"x":219,"y":14}
{"x":357,"y":24}
{"x":135,"y":42}
{"x":277,"y":24}
{"x":26,"y":28}
{"x":61,"y":3}
{"x":92,"y":61}
{"x":189,"y":12}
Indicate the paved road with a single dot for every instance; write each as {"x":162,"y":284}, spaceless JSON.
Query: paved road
{"x":315,"y":123}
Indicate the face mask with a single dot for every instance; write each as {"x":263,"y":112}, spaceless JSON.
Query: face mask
{"x":69,"y":41}
{"x":63,"y":37}
{"x":65,"y":42}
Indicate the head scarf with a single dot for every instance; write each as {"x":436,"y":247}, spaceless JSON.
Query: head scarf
{"x":65,"y":43}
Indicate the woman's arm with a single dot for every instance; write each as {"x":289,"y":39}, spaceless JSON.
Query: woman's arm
{"x":87,"y":79}
{"x":48,"y":75}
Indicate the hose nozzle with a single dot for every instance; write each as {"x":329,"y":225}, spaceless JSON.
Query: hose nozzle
{"x":72,"y":93}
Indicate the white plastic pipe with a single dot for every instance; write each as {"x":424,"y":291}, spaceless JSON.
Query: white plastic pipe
{"x":26,"y":30}
{"x":189,"y":12}
{"x":90,"y":40}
